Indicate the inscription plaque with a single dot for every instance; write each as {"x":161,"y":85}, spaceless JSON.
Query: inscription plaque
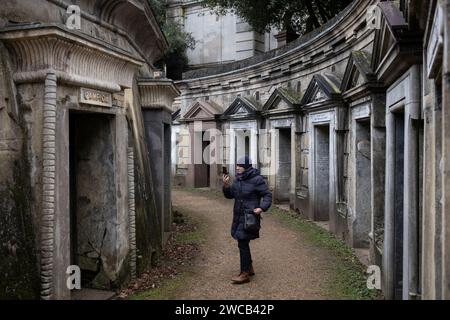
{"x":95,"y":97}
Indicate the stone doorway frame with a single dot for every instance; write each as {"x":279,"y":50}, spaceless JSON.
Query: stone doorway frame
{"x":275,"y":124}
{"x":362,"y":220}
{"x":322,"y":119}
{"x":248,"y":125}
{"x":404,"y":95}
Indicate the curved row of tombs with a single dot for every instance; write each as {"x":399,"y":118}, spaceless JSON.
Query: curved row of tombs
{"x":348,"y":126}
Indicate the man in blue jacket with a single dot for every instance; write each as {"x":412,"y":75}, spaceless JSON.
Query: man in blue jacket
{"x":251,"y":193}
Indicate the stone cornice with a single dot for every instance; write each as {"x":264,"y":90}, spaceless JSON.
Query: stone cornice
{"x":321,"y":105}
{"x":280,"y":112}
{"x":157,"y":93}
{"x":361,"y":91}
{"x":75,"y":58}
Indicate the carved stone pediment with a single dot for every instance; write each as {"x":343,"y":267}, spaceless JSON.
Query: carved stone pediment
{"x":396,"y":47}
{"x":202,"y":111}
{"x":358,"y":71}
{"x":323,"y":87}
{"x":241,"y":108}
{"x":282,"y":99}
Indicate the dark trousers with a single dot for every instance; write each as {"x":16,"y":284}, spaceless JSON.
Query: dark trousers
{"x":245,"y":254}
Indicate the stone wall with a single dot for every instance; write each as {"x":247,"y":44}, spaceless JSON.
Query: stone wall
{"x":18,"y":249}
{"x":219,"y":38}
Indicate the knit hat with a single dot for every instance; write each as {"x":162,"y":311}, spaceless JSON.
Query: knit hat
{"x":244,"y":162}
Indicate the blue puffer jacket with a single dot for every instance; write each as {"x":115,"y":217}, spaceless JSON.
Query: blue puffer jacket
{"x":250,"y":188}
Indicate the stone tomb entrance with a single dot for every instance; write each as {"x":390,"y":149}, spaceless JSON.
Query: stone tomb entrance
{"x":402,"y":235}
{"x":203,"y":169}
{"x":399,"y":132}
{"x":241,"y":144}
{"x":283,"y":174}
{"x":93,"y":210}
{"x":322,"y":173}
{"x":361,"y":223}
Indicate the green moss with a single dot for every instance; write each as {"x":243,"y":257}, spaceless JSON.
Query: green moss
{"x":348,"y":280}
{"x":169,"y":288}
{"x":167,"y":291}
{"x":336,"y":89}
{"x":143,"y":245}
{"x":124,"y":275}
{"x":291,"y":95}
{"x":193,"y":237}
{"x":18,"y":265}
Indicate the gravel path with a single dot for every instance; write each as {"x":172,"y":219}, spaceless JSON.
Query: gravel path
{"x":287,"y":266}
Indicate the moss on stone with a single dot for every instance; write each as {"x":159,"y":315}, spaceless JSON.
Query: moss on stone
{"x":18,"y":265}
{"x":291,"y":95}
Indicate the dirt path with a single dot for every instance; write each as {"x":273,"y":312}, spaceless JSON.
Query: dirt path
{"x":286,"y":265}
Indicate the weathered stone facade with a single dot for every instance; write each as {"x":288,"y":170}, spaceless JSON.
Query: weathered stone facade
{"x":78,"y":182}
{"x":219,"y":39}
{"x":352,"y":120}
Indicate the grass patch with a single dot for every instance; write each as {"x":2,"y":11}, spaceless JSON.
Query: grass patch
{"x":349,"y":280}
{"x":193,"y":237}
{"x":166,"y":292}
{"x":190,"y":234}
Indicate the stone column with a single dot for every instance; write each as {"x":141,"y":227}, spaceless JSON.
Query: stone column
{"x":388,"y":248}
{"x":232,"y":161}
{"x":254,"y":145}
{"x":403,"y":97}
{"x":334,"y":218}
{"x":274,"y":138}
{"x":292,"y":191}
{"x":411,"y":186}
{"x":446,"y":153}
{"x":48,"y":187}
{"x":429,"y":197}
{"x":378,"y":162}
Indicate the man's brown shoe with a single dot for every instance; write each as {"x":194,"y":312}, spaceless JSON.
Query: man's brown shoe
{"x":243,"y":277}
